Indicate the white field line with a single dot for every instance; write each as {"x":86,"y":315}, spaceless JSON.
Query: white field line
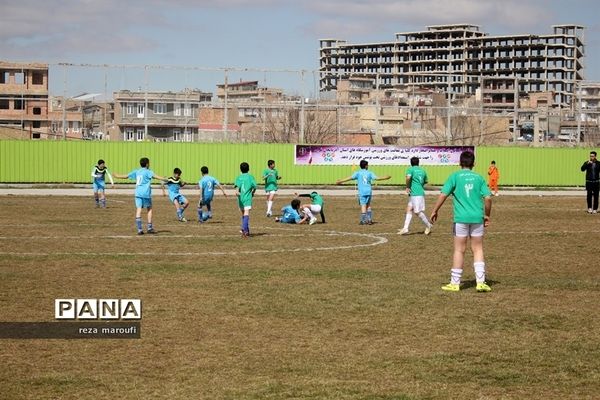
{"x":377,"y":240}
{"x":448,"y":231}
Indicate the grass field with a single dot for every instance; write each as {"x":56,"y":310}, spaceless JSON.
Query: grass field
{"x":333,"y":311}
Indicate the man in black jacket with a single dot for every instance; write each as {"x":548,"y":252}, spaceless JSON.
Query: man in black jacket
{"x":592,"y":182}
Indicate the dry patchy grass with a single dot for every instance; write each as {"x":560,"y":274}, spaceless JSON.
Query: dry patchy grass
{"x":302,"y":311}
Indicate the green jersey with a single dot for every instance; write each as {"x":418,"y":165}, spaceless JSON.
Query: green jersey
{"x":469,"y":190}
{"x":246,"y":186}
{"x":270,"y":177}
{"x":418,"y":179}
{"x":316,"y":199}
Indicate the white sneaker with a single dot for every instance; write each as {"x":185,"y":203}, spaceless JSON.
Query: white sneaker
{"x":497,"y":194}
{"x":269,"y":214}
{"x":312,"y":220}
{"x":594,"y":212}
{"x":589,"y":210}
{"x":427,"y":230}
{"x":403,"y":231}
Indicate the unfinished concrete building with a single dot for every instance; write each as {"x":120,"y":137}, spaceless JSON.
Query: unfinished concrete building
{"x":455,"y":58}
{"x":23,"y":100}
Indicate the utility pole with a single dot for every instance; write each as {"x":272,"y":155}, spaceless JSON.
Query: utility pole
{"x":145,"y":102}
{"x":225,"y":121}
{"x":64,"y":104}
{"x":448,"y":117}
{"x":301,"y":133}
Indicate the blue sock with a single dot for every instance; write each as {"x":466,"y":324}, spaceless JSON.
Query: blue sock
{"x":246,"y":223}
{"x":369,"y":215}
{"x":103,"y":202}
{"x":97,"y":201}
{"x":138,"y":224}
{"x":179,"y":213}
{"x":199,"y":214}
{"x":150,"y":226}
{"x":363,"y":217}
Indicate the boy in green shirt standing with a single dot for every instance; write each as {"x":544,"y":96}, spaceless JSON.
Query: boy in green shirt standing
{"x":246,"y":186}
{"x":472,"y":207}
{"x":270,"y":176}
{"x":416,"y":178}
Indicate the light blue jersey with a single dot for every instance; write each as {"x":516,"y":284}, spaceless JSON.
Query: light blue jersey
{"x":174,"y":185}
{"x":143,"y":179}
{"x":207,"y":185}
{"x":364,"y":177}
{"x":289,"y":215}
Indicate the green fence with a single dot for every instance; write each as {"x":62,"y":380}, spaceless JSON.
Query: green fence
{"x":72,"y":162}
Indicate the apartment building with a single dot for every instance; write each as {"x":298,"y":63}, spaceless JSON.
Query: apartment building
{"x":158,"y":116}
{"x":455,"y":58}
{"x":23,"y":99}
{"x":247,"y":92}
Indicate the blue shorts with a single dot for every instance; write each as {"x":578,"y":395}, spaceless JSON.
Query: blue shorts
{"x":180,"y":199}
{"x":143,"y":202}
{"x":98,"y":186}
{"x":363,"y":200}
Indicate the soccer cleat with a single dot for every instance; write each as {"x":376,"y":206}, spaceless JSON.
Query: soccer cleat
{"x":427,"y":230}
{"x":140,"y":232}
{"x":451,"y":287}
{"x":312,"y":221}
{"x":182,"y":219}
{"x":269,"y":214}
{"x":403,"y":231}
{"x":483,"y":287}
{"x":151,"y":231}
{"x":362,"y":223}
{"x":595,"y":212}
{"x":370,"y":222}
{"x":589,"y":210}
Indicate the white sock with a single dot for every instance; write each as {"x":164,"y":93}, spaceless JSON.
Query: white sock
{"x":407,"y":220}
{"x":424,"y":219}
{"x":455,"y":275}
{"x":479,"y":268}
{"x":308,"y":212}
{"x":269,"y":205}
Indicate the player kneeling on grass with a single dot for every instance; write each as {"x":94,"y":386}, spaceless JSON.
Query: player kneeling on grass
{"x":290,"y":214}
{"x":174,"y":183}
{"x":207,"y":190}
{"x":470,"y":192}
{"x":315,"y":207}
{"x":143,"y":192}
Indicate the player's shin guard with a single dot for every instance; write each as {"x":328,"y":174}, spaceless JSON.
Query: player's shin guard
{"x":479,"y":268}
{"x":199,"y":214}
{"x":103,"y":203}
{"x":424,"y":219}
{"x":369,"y":215}
{"x":407,"y":220}
{"x":455,"y":275}
{"x":246,"y":223}
{"x":269,"y":206}
{"x":363,"y":218}
{"x":138,"y":224}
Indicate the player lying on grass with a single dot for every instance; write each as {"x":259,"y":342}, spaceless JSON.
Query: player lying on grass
{"x":290,"y":214}
{"x":315,"y":206}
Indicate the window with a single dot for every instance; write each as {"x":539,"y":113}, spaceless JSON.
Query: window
{"x":35,"y":135}
{"x":19,"y":104}
{"x":37,"y":78}
{"x":177,"y":111}
{"x":129,"y":135}
{"x":160,"y":108}
{"x":36,"y":124}
{"x":75,"y":126}
{"x":4,"y":104}
{"x":139,"y":135}
{"x":4,"y":75}
{"x":177,"y":137}
{"x":187,"y":110}
{"x":37,"y":111}
{"x":140,"y":110}
{"x":130,"y":108}
{"x":19,"y":78}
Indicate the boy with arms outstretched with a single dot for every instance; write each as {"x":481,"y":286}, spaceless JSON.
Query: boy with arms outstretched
{"x":99,"y":173}
{"x":364,"y":177}
{"x":143,"y":192}
{"x":472,"y":207}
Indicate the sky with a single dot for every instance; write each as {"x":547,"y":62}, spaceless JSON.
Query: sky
{"x":271,"y":36}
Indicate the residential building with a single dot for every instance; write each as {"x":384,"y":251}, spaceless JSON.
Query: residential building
{"x":23,"y":99}
{"x":247,"y":92}
{"x":454,"y":58}
{"x":158,"y":116}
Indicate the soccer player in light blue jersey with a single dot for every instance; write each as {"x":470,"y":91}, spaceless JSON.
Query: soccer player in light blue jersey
{"x":207,"y":191}
{"x":143,"y":192}
{"x":364,"y":178}
{"x":99,"y":173}
{"x":290,"y":214}
{"x":175,"y":183}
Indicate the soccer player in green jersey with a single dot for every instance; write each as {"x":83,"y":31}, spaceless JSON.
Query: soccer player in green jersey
{"x":315,"y":206}
{"x":246,"y":186}
{"x":270,"y":176}
{"x":472,"y":208}
{"x":416,"y":178}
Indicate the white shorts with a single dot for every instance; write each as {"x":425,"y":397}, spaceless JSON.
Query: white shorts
{"x":315,"y":208}
{"x":246,"y":208}
{"x":417,"y":203}
{"x":271,"y":191}
{"x":467,"y":230}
